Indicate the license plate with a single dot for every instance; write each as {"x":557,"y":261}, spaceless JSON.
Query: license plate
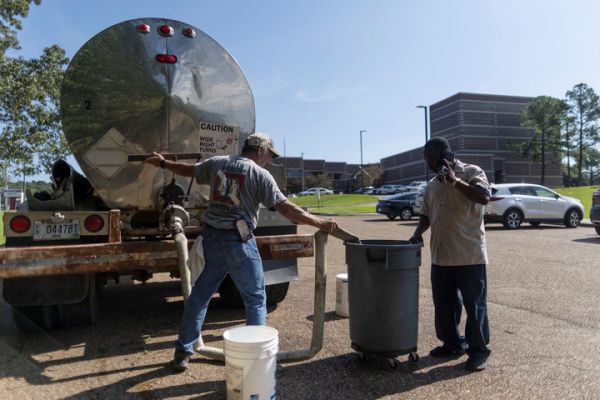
{"x":47,"y":230}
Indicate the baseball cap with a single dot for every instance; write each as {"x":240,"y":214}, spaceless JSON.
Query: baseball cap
{"x":260,"y":139}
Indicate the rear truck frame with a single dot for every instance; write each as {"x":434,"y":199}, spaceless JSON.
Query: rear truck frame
{"x":53,"y":284}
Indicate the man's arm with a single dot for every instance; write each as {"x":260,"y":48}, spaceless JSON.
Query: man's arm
{"x":422,"y":226}
{"x":178,"y":168}
{"x":472,"y":192}
{"x":299,"y":216}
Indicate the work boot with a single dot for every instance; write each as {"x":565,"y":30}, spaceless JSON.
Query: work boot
{"x":446,"y":352}
{"x":475,"y":364}
{"x":181,"y":360}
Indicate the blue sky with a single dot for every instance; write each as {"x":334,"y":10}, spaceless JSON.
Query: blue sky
{"x":323,"y":70}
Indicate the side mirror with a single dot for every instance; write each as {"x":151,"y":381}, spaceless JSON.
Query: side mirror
{"x":557,"y":196}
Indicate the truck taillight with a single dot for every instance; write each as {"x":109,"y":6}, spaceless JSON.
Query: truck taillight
{"x":189,"y":32}
{"x":93,"y":223}
{"x":20,"y":224}
{"x":143,"y":28}
{"x":165,"y":30}
{"x":166,"y":58}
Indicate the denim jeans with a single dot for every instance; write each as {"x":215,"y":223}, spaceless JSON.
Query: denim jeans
{"x":224,"y":253}
{"x":453,"y":287}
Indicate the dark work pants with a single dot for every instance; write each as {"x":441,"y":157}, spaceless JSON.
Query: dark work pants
{"x":453,"y":287}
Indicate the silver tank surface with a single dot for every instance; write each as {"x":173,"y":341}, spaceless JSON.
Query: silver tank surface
{"x":145,"y":85}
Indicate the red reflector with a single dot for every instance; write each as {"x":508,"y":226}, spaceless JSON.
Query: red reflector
{"x":596,"y":194}
{"x":93,"y":223}
{"x":165,"y":30}
{"x":20,"y":224}
{"x":143,"y":28}
{"x":189,"y":32}
{"x":166,"y":58}
{"x":496,"y":198}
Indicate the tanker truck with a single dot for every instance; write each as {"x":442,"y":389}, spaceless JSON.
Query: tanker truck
{"x":139,"y":86}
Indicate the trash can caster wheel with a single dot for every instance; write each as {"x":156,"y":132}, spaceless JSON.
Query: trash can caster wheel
{"x":392,"y":363}
{"x":361,"y":357}
{"x":413,"y":357}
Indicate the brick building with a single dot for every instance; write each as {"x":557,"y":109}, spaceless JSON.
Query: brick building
{"x":481,"y":129}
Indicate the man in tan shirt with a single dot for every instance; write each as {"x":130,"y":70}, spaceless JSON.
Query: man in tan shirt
{"x":453,"y":206}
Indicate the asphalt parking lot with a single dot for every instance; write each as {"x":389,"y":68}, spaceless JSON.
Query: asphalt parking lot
{"x":543,"y":305}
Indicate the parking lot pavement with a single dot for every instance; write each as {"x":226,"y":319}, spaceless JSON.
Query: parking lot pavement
{"x":543,"y":305}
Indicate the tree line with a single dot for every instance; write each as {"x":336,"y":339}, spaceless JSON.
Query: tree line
{"x":567,"y":129}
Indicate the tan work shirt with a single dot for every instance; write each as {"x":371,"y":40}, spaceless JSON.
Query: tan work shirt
{"x":457,"y":229}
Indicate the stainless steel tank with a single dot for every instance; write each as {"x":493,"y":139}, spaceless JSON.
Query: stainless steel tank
{"x":149,"y":85}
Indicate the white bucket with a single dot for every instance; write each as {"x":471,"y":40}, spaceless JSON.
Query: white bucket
{"x":250,"y":362}
{"x":341,"y":295}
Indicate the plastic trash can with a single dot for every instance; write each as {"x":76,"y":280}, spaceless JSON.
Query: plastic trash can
{"x":383,"y":297}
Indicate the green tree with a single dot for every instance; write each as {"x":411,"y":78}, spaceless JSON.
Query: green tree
{"x":592,"y":162}
{"x":30,"y":126}
{"x":318,"y":180}
{"x":584,"y":106}
{"x":543,"y":115}
{"x":568,"y":129}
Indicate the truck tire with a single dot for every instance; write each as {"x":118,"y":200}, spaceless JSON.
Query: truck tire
{"x":30,"y":319}
{"x":231,"y":297}
{"x":597,"y":227}
{"x":276,"y":293}
{"x":85,"y":312}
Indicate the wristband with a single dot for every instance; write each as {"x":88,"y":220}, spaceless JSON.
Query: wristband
{"x":162,"y":163}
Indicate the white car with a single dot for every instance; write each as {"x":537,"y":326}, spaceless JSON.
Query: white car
{"x":313,"y":191}
{"x":419,"y":201}
{"x":515,"y":203}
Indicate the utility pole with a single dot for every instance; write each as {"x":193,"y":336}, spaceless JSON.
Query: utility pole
{"x":426,"y":138}
{"x":362,"y":175}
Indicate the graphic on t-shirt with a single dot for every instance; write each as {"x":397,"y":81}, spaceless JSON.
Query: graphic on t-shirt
{"x":227,"y":187}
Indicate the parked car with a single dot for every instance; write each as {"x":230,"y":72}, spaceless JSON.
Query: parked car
{"x":313,"y":191}
{"x":416,"y":186}
{"x":364,"y":190}
{"x":419,"y":200}
{"x":397,"y":205}
{"x":389,"y":189}
{"x":515,"y":203}
{"x":595,"y":210}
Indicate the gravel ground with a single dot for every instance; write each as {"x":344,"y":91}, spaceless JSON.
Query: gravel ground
{"x":543,"y":298}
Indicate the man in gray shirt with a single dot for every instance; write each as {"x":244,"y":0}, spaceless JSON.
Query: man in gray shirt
{"x":453,"y":206}
{"x":238,"y":186}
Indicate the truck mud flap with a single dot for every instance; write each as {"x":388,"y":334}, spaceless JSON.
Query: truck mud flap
{"x":62,"y":289}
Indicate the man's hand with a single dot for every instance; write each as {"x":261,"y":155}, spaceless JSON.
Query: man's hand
{"x":327,"y":225}
{"x":447,"y":172}
{"x":416,"y":239}
{"x":154,"y":159}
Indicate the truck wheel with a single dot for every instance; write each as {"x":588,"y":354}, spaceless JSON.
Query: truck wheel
{"x":597,"y":227}
{"x":30,"y":319}
{"x":230,"y":296}
{"x":85,"y":312}
{"x":276,"y":293}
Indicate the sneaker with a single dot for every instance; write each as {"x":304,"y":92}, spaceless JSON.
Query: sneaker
{"x":446,"y":351}
{"x":475,"y":364}
{"x":181,"y":360}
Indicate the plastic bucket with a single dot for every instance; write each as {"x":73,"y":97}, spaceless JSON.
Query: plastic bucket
{"x":250,"y":362}
{"x":341,"y":295}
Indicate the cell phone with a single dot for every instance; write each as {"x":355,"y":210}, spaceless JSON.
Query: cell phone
{"x":243,"y":230}
{"x":446,"y":155}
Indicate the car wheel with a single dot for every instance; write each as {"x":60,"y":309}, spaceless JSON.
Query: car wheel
{"x":391,"y":216}
{"x":512,"y":219}
{"x":406,"y":214}
{"x":572,"y":218}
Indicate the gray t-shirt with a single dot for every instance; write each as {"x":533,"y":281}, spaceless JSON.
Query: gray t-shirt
{"x":237,"y":188}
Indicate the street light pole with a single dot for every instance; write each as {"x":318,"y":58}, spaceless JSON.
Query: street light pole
{"x":362,"y":175}
{"x":426,"y":138}
{"x":302,"y":169}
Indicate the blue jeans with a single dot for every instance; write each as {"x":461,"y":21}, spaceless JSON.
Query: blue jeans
{"x":453,"y":287}
{"x":224,"y":253}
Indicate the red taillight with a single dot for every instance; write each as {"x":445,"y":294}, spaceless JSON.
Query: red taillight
{"x":189,"y":32}
{"x":166,"y":58}
{"x":20,"y":224}
{"x":93,"y":223}
{"x":143,"y":28}
{"x":596,"y":194}
{"x":165,"y":30}
{"x":496,"y":198}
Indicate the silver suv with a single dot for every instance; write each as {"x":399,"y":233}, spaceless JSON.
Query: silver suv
{"x":515,"y":203}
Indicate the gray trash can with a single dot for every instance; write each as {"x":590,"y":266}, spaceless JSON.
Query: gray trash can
{"x":383,"y":297}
